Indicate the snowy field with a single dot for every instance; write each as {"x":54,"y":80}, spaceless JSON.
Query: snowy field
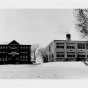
{"x":53,"y":70}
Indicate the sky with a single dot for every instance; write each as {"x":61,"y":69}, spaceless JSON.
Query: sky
{"x":36,"y":26}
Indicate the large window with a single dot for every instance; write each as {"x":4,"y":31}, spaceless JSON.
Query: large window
{"x":86,"y":45}
{"x":70,"y":46}
{"x":81,"y":55}
{"x":60,"y":54}
{"x":59,"y":45}
{"x":70,"y":54}
{"x":81,"y":45}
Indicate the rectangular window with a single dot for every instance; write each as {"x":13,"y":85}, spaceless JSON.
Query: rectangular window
{"x":70,"y":45}
{"x":60,"y":54}
{"x":81,"y":55}
{"x":81,"y":45}
{"x":70,"y":54}
{"x":86,"y":45}
{"x":59,"y":45}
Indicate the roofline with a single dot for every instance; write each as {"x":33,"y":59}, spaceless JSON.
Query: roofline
{"x":16,"y":45}
{"x":71,"y":40}
{"x":7,"y":43}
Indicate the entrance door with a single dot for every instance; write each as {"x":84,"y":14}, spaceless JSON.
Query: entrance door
{"x":13,"y":59}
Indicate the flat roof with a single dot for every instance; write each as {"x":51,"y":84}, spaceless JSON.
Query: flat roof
{"x":70,"y":40}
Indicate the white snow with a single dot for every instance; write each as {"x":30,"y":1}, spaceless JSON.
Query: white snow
{"x":54,"y":70}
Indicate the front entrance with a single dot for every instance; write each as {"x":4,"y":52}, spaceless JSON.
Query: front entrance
{"x":13,"y":59}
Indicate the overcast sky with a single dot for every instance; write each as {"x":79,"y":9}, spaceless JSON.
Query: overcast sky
{"x":36,"y":26}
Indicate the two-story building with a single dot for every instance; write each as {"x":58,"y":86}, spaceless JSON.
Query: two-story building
{"x":67,"y":50}
{"x":15,"y":53}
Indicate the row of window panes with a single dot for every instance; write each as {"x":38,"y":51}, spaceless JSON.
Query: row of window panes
{"x":70,"y":47}
{"x":22,"y":59}
{"x":81,"y":46}
{"x":23,"y":56}
{"x":3,"y":59}
{"x":70,"y":55}
{"x":59,"y":54}
{"x":3,"y":52}
{"x":23,"y":52}
{"x":24,"y":47}
{"x":59,"y":46}
{"x":81,"y":55}
{"x":1,"y":47}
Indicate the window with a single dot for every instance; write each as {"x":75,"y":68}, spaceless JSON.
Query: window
{"x":70,"y":54}
{"x":81,"y":55}
{"x":86,"y":45}
{"x":81,"y":45}
{"x":1,"y":47}
{"x":21,"y":57}
{"x":70,"y":47}
{"x":59,"y":54}
{"x":59,"y":45}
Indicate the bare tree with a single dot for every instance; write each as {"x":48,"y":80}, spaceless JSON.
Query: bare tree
{"x":43,"y":54}
{"x":82,"y":20}
{"x":33,"y":50}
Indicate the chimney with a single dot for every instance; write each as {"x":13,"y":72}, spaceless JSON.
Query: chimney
{"x":68,"y":36}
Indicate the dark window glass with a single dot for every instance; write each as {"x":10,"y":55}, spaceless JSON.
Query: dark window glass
{"x":59,"y":45}
{"x":70,"y":47}
{"x":81,"y":46}
{"x":87,"y":46}
{"x":70,"y":54}
{"x":81,"y":54}
{"x":59,"y":54}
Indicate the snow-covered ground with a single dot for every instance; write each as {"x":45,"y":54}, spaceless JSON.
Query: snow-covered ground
{"x":46,"y":70}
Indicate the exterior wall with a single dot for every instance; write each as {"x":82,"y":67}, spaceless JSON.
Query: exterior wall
{"x":25,"y":53}
{"x":59,"y":50}
{"x":3,"y":53}
{"x":71,"y":50}
{"x":82,"y":52}
{"x":67,"y":50}
{"x":14,"y":53}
